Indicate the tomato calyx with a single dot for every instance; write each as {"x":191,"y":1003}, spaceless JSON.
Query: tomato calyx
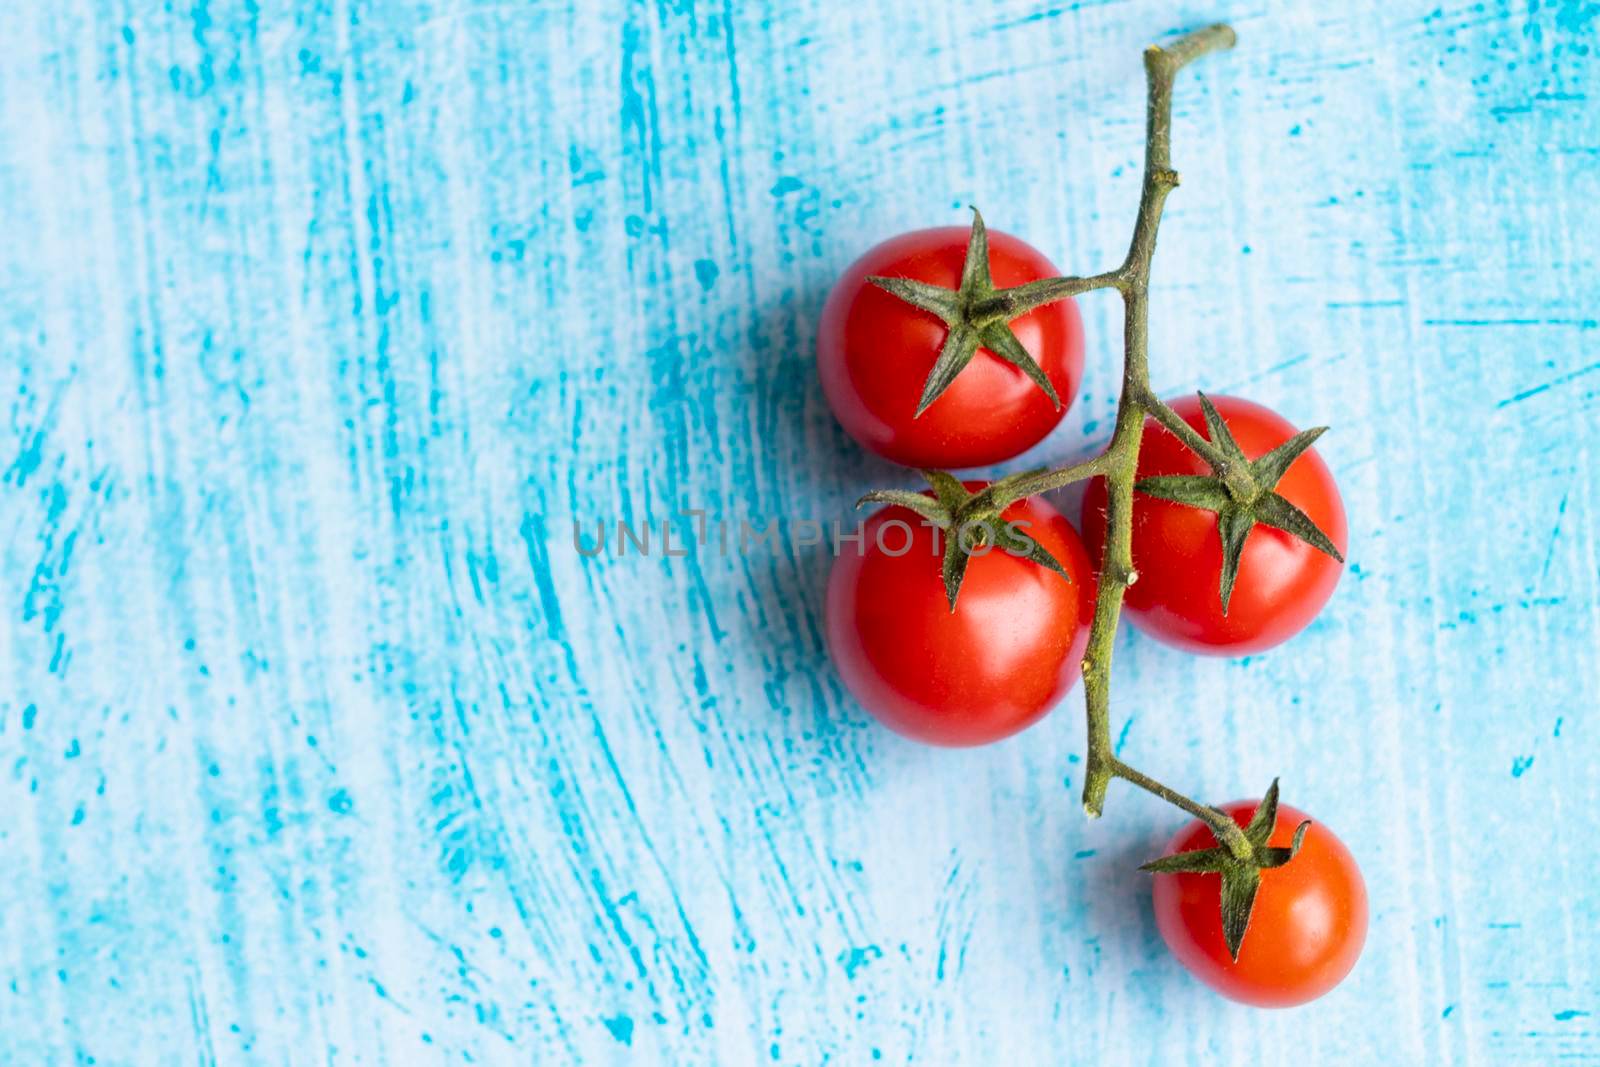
{"x":971,"y":522}
{"x":979,"y":315}
{"x":1241,"y":874}
{"x":1241,"y":491}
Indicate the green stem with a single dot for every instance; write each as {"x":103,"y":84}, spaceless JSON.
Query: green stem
{"x":1008,"y":491}
{"x":1226,"y":830}
{"x":1005,"y":306}
{"x":1162,"y":412}
{"x":1119,"y":464}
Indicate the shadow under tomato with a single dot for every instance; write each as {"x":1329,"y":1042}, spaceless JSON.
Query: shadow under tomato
{"x":1115,"y":893}
{"x":802,"y":474}
{"x":794,"y":465}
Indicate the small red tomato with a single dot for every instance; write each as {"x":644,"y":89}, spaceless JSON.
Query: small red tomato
{"x":1004,"y":657}
{"x":1306,"y":929}
{"x":875,"y":352}
{"x":1177,"y":550}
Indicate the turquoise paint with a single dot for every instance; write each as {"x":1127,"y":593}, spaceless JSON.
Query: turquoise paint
{"x":321,"y":322}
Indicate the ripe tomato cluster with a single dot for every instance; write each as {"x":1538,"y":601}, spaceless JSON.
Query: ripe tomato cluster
{"x":873,"y":353}
{"x":944,"y":349}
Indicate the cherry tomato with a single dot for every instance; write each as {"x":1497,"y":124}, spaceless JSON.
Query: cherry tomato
{"x":1177,"y":552}
{"x":1305,"y":932}
{"x":874,"y":352}
{"x":1007,"y":654}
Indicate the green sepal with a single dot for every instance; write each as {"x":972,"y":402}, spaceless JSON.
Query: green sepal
{"x":1264,"y":818}
{"x":1276,"y":857}
{"x":1273,"y":510}
{"x":954,"y":567}
{"x":1234,"y":525}
{"x":960,"y":345}
{"x":1244,"y":501}
{"x":921,"y":503}
{"x":1241,"y":877}
{"x":1217,"y":430}
{"x":925,"y":296}
{"x":947,"y":487}
{"x":1270,"y":468}
{"x":1196,"y":490}
{"x":1240,"y":881}
{"x":999,"y":339}
{"x":977,"y":314}
{"x":1021,"y":545}
{"x":1195,"y":861}
{"x":969,"y":520}
{"x":975,"y":268}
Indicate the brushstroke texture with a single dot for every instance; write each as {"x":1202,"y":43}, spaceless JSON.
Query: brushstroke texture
{"x":321,"y":321}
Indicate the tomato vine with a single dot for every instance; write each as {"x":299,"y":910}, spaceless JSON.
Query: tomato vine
{"x":1240,"y":491}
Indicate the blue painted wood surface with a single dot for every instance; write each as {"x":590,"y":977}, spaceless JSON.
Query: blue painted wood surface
{"x":321,"y":321}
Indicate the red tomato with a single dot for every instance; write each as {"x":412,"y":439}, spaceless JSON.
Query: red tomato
{"x":874,"y":352}
{"x":1007,"y":654}
{"x":1305,"y":932}
{"x":1177,"y":552}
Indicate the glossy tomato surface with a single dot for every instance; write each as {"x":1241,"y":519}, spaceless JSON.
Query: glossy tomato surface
{"x":874,"y":352}
{"x":999,"y":663}
{"x":1283,"y":582}
{"x":1305,"y":933}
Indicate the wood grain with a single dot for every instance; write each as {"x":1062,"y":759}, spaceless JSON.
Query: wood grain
{"x":322,"y":321}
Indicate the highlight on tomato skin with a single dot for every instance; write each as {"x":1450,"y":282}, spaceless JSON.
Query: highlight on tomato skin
{"x":875,"y":351}
{"x":1002,"y":660}
{"x":1306,"y":930}
{"x":1283,"y":582}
